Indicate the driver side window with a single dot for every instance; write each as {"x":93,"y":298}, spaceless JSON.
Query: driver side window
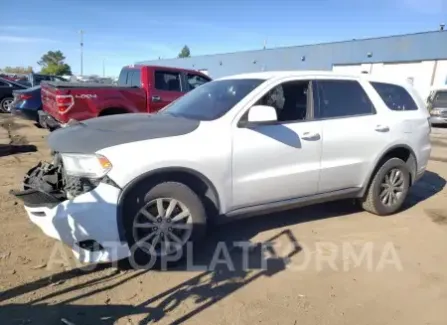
{"x":290,"y":99}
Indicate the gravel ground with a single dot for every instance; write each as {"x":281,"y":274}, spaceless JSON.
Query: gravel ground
{"x":311,"y":276}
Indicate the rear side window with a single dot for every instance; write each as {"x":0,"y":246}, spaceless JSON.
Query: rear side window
{"x":122,"y":79}
{"x":130,"y":77}
{"x":166,"y":80}
{"x":395,"y":97}
{"x":341,"y":98}
{"x":135,"y":80}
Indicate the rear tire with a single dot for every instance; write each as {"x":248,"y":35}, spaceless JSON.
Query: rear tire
{"x":4,"y":104}
{"x":388,"y":189}
{"x":162,"y":223}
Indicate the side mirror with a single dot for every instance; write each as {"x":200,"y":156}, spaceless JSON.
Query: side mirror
{"x":262,"y":113}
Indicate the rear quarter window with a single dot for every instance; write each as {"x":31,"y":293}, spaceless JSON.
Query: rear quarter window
{"x":122,"y":79}
{"x":130,"y":77}
{"x":395,"y":97}
{"x":136,"y":79}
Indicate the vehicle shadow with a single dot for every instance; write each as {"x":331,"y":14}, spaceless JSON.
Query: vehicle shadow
{"x":11,"y":149}
{"x":426,"y":187}
{"x":208,"y":285}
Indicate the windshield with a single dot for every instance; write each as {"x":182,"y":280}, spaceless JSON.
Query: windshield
{"x":213,"y":99}
{"x":440,"y":98}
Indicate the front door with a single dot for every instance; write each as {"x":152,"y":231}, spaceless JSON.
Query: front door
{"x":281,"y":160}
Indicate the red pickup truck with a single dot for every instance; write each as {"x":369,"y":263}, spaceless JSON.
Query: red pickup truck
{"x":140,"y":88}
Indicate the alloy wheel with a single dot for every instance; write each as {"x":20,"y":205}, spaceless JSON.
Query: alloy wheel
{"x":6,"y":105}
{"x":392,"y":187}
{"x":162,"y":227}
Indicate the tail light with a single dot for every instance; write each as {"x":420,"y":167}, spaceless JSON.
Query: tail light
{"x":64,"y":103}
{"x":24,"y":97}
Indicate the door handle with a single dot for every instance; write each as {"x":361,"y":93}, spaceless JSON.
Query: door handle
{"x":310,"y":136}
{"x":156,"y":98}
{"x":382,"y":128}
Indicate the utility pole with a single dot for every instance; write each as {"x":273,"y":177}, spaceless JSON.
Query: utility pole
{"x":81,"y":32}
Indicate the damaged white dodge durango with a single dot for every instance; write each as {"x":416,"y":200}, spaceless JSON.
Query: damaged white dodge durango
{"x":141,"y":184}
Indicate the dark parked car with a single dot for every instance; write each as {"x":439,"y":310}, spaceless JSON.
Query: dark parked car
{"x":6,"y":96}
{"x":27,"y":102}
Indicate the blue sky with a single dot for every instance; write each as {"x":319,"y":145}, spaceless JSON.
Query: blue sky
{"x":122,"y":32}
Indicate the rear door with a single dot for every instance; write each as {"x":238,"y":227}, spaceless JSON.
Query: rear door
{"x":353,"y":134}
{"x":166,"y":87}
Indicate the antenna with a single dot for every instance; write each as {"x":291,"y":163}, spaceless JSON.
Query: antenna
{"x":81,"y":43}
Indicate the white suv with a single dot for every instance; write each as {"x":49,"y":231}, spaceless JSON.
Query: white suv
{"x":141,"y":184}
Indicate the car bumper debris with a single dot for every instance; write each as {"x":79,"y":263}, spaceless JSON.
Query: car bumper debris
{"x":78,"y":212}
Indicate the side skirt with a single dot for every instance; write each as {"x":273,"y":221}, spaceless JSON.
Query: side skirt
{"x":293,"y":203}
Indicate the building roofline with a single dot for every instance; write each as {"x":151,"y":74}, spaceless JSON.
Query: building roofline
{"x":311,"y":74}
{"x":299,"y":46}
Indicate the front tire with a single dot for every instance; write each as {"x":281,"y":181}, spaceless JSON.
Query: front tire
{"x":165,"y":219}
{"x":388,"y":189}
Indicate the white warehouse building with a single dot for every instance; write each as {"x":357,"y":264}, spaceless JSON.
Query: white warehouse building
{"x":419,"y":58}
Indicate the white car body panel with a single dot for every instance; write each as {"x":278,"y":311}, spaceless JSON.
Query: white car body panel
{"x":249,"y":166}
{"x":273,"y":163}
{"x":90,"y":215}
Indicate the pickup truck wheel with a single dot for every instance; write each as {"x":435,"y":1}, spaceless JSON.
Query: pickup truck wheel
{"x":388,"y":189}
{"x":169,"y":217}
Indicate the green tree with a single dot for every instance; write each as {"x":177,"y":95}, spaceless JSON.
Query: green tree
{"x":18,"y":70}
{"x":185,"y":52}
{"x":53,"y":63}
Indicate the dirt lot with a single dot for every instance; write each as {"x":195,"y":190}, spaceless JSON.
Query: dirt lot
{"x":404,"y":280}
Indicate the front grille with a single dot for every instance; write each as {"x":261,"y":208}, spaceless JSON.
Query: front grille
{"x":76,"y":186}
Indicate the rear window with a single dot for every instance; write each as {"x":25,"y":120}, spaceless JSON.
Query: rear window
{"x":440,"y":98}
{"x":130,"y":77}
{"x":395,"y":97}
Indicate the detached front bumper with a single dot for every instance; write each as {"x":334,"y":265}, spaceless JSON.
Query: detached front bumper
{"x":47,"y":121}
{"x":87,"y":223}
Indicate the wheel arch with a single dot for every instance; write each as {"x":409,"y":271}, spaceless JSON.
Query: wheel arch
{"x":113,"y":110}
{"x":198,"y":182}
{"x":401,"y":151}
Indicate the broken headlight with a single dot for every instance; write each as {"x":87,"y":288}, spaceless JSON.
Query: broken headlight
{"x":85,"y":165}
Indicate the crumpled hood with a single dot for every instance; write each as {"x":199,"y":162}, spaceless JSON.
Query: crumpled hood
{"x":102,"y":132}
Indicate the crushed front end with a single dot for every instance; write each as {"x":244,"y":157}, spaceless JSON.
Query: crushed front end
{"x":79,"y":211}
